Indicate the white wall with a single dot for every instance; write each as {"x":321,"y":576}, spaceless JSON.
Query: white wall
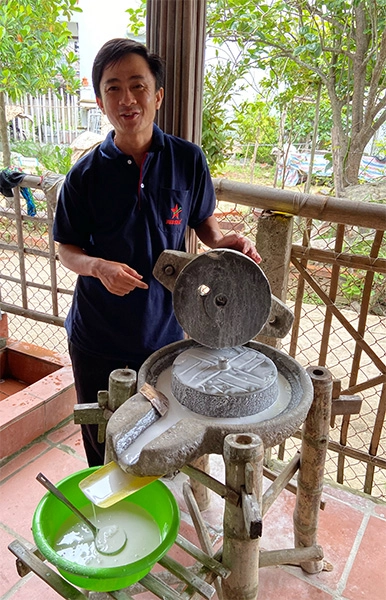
{"x":100,"y":21}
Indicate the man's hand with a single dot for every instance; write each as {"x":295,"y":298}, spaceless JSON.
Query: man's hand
{"x":238,"y":242}
{"x":210,"y":233}
{"x":118,"y":278}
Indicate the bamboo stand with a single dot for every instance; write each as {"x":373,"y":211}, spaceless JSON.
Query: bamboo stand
{"x":237,"y":576}
{"x":313,"y":456}
{"x":243,"y":456}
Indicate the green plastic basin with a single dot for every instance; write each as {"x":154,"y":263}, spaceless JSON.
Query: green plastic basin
{"x":50,"y":514}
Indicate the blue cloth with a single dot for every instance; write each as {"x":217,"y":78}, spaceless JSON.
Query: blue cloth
{"x":116,"y":211}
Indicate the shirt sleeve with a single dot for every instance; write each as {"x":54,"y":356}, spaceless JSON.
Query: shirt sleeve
{"x":72,"y":223}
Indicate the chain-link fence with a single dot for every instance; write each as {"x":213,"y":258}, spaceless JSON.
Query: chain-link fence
{"x":35,"y":289}
{"x":337,"y":288}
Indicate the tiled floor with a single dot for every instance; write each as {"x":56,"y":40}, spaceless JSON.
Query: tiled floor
{"x":352,"y":529}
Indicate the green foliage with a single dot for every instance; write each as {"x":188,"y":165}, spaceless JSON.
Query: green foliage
{"x":137,"y":19}
{"x":299,"y":44}
{"x":220,"y":86}
{"x":254,"y":123}
{"x":33,"y":40}
{"x":56,"y":159}
{"x":380,"y":149}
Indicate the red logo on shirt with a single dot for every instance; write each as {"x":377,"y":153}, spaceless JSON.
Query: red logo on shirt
{"x":175,"y":212}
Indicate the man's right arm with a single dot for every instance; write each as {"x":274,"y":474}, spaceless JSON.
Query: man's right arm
{"x":118,"y":278}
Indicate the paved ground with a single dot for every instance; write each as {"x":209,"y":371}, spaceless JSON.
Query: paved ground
{"x":352,"y":529}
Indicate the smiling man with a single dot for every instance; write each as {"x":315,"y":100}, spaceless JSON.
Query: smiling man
{"x":120,"y":206}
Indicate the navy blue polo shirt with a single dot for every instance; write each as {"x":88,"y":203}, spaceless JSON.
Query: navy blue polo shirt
{"x":117,"y":211}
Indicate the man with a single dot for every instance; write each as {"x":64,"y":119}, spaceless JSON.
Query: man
{"x":120,"y":207}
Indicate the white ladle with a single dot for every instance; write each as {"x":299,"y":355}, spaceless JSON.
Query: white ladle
{"x":108,"y":540}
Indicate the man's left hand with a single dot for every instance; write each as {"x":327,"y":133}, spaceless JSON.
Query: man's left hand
{"x":238,"y":242}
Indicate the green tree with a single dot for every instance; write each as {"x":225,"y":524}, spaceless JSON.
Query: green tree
{"x":217,"y":124}
{"x":34,"y":53}
{"x":256,"y":128}
{"x":338,"y":43}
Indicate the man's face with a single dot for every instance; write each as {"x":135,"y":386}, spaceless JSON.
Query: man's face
{"x":129,"y":98}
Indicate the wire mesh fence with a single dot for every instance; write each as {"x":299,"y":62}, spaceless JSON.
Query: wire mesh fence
{"x":338,"y":296}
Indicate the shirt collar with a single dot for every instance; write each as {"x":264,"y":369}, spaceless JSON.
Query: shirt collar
{"x":109,"y":150}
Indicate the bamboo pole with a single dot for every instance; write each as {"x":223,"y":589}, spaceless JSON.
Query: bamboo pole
{"x":201,"y":530}
{"x":312,"y":460}
{"x":353,"y":261}
{"x":200,"y":491}
{"x":289,"y":556}
{"x":333,"y":210}
{"x":240,"y":552}
{"x":280,"y":483}
{"x":273,"y":240}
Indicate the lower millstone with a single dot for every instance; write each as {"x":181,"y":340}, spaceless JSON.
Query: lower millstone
{"x":227,"y":382}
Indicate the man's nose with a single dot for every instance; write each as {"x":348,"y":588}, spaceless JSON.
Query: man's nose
{"x":128,"y":97}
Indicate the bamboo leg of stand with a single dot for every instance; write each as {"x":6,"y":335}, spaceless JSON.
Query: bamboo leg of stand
{"x":240,"y":552}
{"x":200,"y":491}
{"x":313,"y":455}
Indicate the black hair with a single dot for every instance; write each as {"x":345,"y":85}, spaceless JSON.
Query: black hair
{"x":114,"y":50}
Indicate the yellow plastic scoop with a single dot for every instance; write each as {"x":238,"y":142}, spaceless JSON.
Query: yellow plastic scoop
{"x":109,"y":484}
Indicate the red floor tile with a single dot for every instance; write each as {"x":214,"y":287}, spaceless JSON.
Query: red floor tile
{"x":277,"y":583}
{"x":32,"y":587}
{"x":64,"y":432}
{"x":368,"y":574}
{"x":75,"y":442}
{"x":338,"y":527}
{"x":8,"y":574}
{"x":21,"y":493}
{"x":21,"y":460}
{"x":22,"y":431}
{"x":342,"y":531}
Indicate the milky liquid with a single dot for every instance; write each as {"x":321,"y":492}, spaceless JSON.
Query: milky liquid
{"x":75,"y":541}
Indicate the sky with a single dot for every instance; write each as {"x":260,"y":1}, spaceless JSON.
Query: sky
{"x":99,"y":22}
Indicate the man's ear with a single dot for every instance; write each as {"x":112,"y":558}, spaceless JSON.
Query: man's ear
{"x":159,"y":96}
{"x":100,"y":104}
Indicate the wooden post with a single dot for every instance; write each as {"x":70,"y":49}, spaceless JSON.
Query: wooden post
{"x":176,"y":31}
{"x":312,"y":460}
{"x":274,"y":242}
{"x":243,"y":456}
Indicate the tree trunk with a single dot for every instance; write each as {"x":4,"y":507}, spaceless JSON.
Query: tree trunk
{"x":337,"y":161}
{"x":353,"y":164}
{"x":253,"y":160}
{"x":314,"y":137}
{"x":4,"y":133}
